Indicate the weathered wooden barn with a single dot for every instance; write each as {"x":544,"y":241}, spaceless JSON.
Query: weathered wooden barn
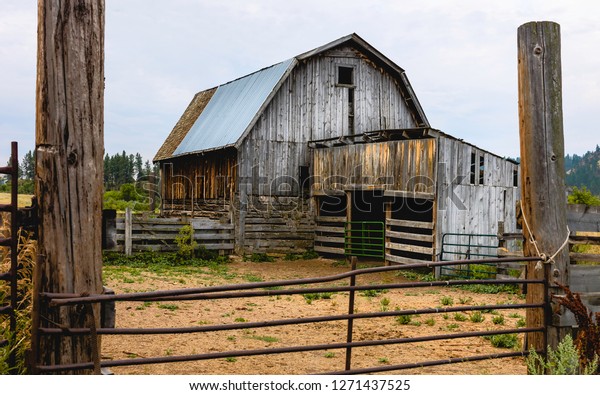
{"x":330,"y":144}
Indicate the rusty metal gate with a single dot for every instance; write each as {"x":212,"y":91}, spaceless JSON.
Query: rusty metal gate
{"x":295,"y":287}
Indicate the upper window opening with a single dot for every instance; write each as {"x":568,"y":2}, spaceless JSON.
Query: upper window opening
{"x":472,"y":173}
{"x":345,"y":75}
{"x":481,"y":169}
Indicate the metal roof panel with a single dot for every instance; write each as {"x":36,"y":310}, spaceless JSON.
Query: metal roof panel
{"x":231,"y":109}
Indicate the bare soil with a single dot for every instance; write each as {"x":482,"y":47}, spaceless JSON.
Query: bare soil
{"x":227,"y":311}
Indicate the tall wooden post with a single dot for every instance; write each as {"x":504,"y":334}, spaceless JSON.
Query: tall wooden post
{"x":542,"y":171}
{"x":69,"y":169}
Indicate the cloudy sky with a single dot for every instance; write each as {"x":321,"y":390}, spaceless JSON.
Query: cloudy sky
{"x":460,"y":56}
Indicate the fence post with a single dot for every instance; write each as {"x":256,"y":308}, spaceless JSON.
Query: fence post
{"x":69,"y":147}
{"x":350,"y":331}
{"x":542,"y":173}
{"x":128,"y":231}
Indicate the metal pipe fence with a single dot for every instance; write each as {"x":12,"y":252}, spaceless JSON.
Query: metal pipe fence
{"x":257,"y":289}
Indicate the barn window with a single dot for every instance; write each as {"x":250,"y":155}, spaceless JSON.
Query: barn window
{"x":515,"y":177}
{"x":481,"y":169}
{"x":303,"y":178}
{"x":472,"y":178}
{"x":345,"y":75}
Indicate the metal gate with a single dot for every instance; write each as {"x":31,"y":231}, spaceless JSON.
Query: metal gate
{"x":364,"y":239}
{"x":469,"y":246}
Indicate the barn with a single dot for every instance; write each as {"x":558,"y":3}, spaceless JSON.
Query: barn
{"x":331,"y":150}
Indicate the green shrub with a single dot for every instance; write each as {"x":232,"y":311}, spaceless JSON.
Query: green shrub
{"x":563,"y":360}
{"x":186,"y":245}
{"x":509,"y":340}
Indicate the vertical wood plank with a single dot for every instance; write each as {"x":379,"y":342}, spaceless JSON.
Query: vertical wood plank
{"x":69,"y":166}
{"x":542,"y":168}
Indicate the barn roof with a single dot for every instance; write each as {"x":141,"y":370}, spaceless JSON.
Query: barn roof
{"x":220,"y":117}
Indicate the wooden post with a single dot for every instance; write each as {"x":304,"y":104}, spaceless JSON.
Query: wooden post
{"x":542,"y":172}
{"x":128,"y":248}
{"x":69,"y":172}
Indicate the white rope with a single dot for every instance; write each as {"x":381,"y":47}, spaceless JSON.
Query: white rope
{"x":543,"y":256}
{"x":564,"y":244}
{"x":531,"y":239}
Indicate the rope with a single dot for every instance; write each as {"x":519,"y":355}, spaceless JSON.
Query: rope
{"x":543,"y":256}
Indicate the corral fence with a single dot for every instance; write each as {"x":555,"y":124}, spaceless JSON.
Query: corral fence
{"x":293,"y":287}
{"x":132,"y":233}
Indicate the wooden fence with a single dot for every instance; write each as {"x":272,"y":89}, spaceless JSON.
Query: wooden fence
{"x":142,"y":233}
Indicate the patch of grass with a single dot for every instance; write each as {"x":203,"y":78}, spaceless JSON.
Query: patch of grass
{"x":430,"y":321}
{"x":230,"y":359}
{"x":371,"y":293}
{"x":465,"y":300}
{"x":253,"y":278}
{"x":460,"y":317}
{"x":259,"y":257}
{"x":310,"y":254}
{"x":268,"y":339}
{"x":447,"y":301}
{"x":452,"y":327}
{"x":168,"y":306}
{"x":498,"y":320}
{"x":384,"y":304}
{"x":404,"y":319}
{"x":476,"y":317}
{"x":490,"y":288}
{"x":240,"y":319}
{"x":329,"y":355}
{"x":415,"y":275}
{"x":316,"y":296}
{"x":521,"y":323}
{"x":384,"y":361}
{"x":509,"y":340}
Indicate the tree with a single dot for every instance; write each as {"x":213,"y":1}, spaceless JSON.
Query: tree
{"x":28,"y":166}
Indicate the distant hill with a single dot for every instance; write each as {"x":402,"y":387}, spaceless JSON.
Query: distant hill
{"x":584,"y":171}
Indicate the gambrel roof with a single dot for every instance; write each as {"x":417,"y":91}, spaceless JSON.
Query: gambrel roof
{"x":221,"y":117}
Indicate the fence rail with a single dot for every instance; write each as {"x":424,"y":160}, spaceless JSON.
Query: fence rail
{"x":141,"y":233}
{"x":273,"y":288}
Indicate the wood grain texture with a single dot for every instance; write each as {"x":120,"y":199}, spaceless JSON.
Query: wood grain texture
{"x":69,"y":167}
{"x":542,"y":167}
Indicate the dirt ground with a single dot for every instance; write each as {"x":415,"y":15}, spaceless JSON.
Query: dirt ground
{"x":227,"y":311}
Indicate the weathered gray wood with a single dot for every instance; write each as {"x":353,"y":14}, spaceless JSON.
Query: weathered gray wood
{"x":69,"y":169}
{"x":410,"y":224}
{"x":128,"y":231}
{"x":582,"y":218}
{"x":402,"y":259}
{"x":542,"y":168}
{"x":409,"y":248}
{"x":329,"y":250}
{"x":409,"y":236}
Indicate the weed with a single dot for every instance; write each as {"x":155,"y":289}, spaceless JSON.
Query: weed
{"x":460,"y":317}
{"x":447,"y":301}
{"x":168,"y":306}
{"x":498,"y":320}
{"x":383,"y":360}
{"x":521,"y":323}
{"x":452,"y":327}
{"x":268,"y":339}
{"x":259,"y":257}
{"x":515,"y":315}
{"x":185,"y":242}
{"x":385,"y":304}
{"x":230,"y":359}
{"x":253,"y":278}
{"x":508,"y":340}
{"x":329,"y":355}
{"x":291,"y":257}
{"x":231,"y":338}
{"x":316,"y":296}
{"x":563,"y":360}
{"x":476,"y":317}
{"x":445,"y":316}
{"x":466,"y":300}
{"x":404,"y":319}
{"x":240,"y":319}
{"x":310,"y":254}
{"x":370,"y":293}
{"x":430,"y":321}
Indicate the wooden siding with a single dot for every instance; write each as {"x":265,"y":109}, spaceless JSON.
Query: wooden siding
{"x":310,"y":106}
{"x":407,"y":165}
{"x":475,"y":208}
{"x":198,"y":178}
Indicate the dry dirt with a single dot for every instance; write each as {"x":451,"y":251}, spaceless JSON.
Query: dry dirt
{"x":227,"y":311}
